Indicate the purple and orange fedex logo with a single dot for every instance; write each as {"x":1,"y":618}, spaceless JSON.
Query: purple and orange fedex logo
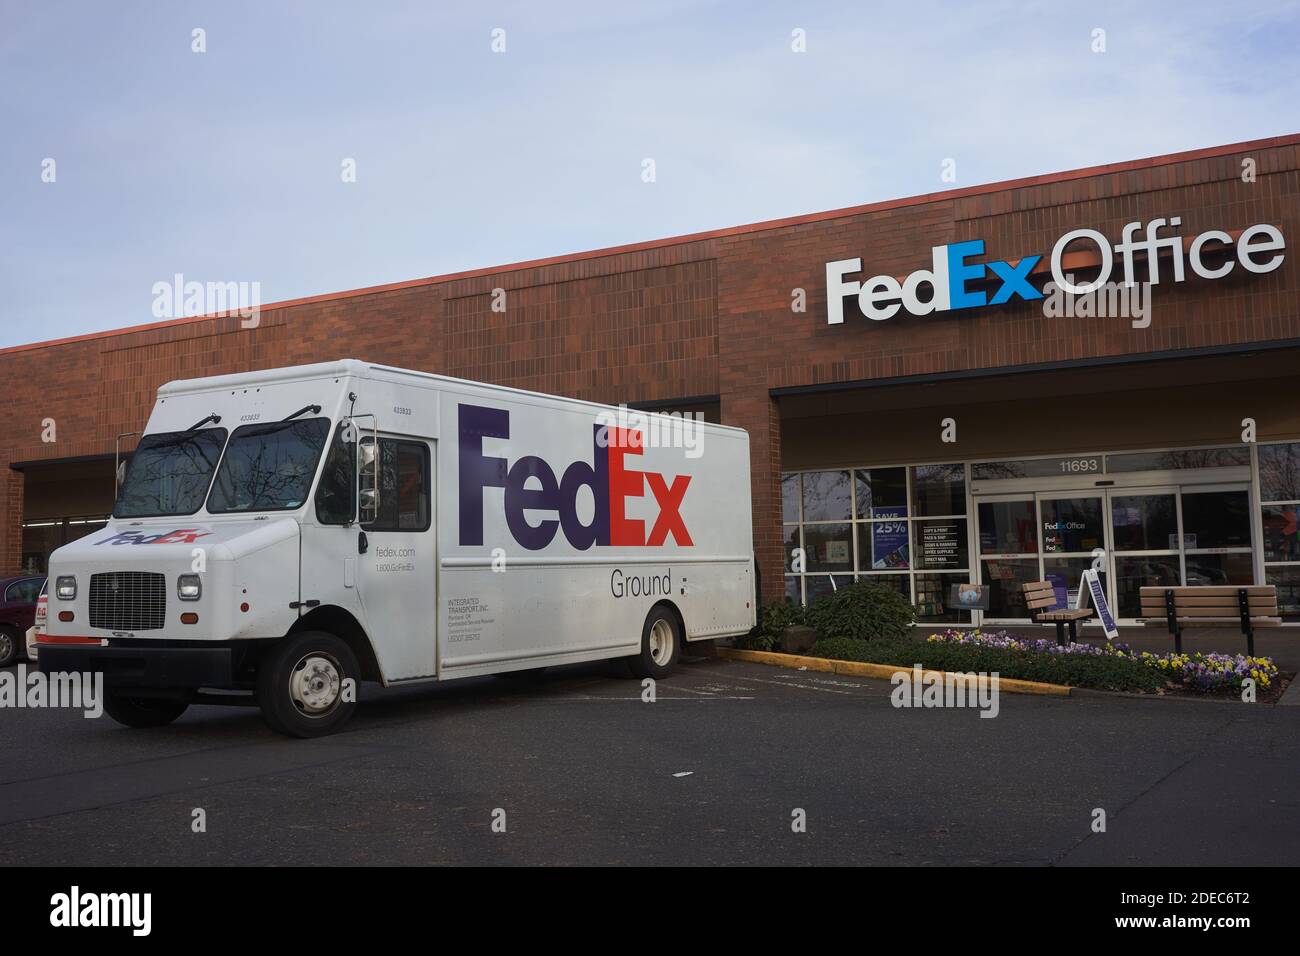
{"x":609,"y":476}
{"x":178,"y":536}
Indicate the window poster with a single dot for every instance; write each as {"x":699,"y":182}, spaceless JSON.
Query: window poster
{"x":889,"y":545}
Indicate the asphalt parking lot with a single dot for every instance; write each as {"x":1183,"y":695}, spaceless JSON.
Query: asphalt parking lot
{"x":711,"y":773}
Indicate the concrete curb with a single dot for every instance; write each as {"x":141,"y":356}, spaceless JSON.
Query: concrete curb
{"x":881,"y":671}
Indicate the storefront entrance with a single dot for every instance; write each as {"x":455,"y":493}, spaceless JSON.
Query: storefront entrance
{"x":1139,"y":534}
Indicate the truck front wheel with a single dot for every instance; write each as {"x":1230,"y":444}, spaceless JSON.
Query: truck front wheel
{"x":142,"y":711}
{"x":307,"y":685}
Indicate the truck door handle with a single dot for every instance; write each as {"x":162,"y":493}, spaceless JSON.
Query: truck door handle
{"x":363,"y":543}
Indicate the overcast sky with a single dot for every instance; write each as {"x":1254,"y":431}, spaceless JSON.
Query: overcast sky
{"x":226,"y":166}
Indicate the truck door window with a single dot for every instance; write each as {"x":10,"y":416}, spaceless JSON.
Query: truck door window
{"x":335,"y":495}
{"x":403,"y":487}
{"x":269,"y":467}
{"x":169,"y":473}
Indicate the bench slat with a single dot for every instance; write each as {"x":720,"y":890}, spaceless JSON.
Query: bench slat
{"x":1192,"y":600}
{"x":1066,"y":615}
{"x":1222,"y":610}
{"x":1216,"y":621}
{"x":1036,"y":603}
{"x":1194,"y":590}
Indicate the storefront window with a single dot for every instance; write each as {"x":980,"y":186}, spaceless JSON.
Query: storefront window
{"x":940,"y":545}
{"x":939,"y":490}
{"x":882,"y":492}
{"x":1281,"y":537}
{"x":883,"y":546}
{"x":1134,"y":572}
{"x":1008,"y":527}
{"x":827,"y":496}
{"x":1005,"y":580}
{"x":932,"y":594}
{"x":790,"y":497}
{"x":791,"y":545}
{"x":899,"y":582}
{"x":1065,"y":573}
{"x":829,"y":547}
{"x":1216,"y":519}
{"x":1219,"y":569}
{"x":819,"y":584}
{"x":1287,"y":581}
{"x":1072,"y":524}
{"x":1279,"y":472}
{"x":1144,"y":522}
{"x":882,"y":543}
{"x":1177,"y":459}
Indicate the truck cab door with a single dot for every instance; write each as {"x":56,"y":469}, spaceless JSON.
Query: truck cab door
{"x":396,"y":575}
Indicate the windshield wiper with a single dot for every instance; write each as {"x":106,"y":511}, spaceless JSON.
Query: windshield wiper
{"x":314,"y":409}
{"x":214,"y":418}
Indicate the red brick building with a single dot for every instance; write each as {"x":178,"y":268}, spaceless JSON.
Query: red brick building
{"x":992,"y":444}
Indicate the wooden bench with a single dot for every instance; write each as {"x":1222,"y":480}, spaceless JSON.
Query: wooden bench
{"x":1040,"y":597}
{"x":1243,"y":607}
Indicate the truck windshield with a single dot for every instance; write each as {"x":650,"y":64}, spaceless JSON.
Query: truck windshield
{"x":169,"y":473}
{"x":269,"y":467}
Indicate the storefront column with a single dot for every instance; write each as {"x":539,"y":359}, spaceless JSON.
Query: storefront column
{"x":757,"y":413}
{"x":11,"y":521}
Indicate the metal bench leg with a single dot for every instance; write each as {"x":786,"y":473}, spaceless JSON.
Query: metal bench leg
{"x":1074,"y":633}
{"x":1171,"y":620}
{"x":1247,"y":627}
{"x":1060,"y":633}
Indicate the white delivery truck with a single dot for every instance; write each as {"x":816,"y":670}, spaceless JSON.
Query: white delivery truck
{"x":280,"y":536}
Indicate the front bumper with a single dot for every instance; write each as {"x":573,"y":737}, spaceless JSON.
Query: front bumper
{"x":143,"y":668}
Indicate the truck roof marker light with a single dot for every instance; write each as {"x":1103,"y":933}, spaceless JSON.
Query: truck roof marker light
{"x":244,"y":607}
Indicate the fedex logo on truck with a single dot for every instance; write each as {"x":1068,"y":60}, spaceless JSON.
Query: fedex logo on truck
{"x":610,"y":477}
{"x":179,"y":536}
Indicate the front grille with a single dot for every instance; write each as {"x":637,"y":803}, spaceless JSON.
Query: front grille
{"x":128,"y":600}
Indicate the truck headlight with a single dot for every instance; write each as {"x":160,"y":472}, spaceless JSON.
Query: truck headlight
{"x":65,"y":587}
{"x":189,"y":587}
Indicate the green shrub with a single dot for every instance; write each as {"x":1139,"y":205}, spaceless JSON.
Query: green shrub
{"x":863,"y":610}
{"x":1095,"y":671}
{"x":776,"y":617}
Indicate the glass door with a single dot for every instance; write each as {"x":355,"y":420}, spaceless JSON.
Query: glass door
{"x":1146,"y":548}
{"x":1216,"y":537}
{"x":1008,"y":552}
{"x":1073,"y":525}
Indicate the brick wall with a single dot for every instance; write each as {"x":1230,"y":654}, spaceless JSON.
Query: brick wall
{"x":703,"y":315}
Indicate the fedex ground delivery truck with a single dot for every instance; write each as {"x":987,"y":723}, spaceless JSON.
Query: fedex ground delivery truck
{"x":280,"y":536}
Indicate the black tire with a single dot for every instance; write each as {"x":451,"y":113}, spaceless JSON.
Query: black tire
{"x":143,"y":711}
{"x":657,"y":657}
{"x":12,"y":649}
{"x":301,"y":685}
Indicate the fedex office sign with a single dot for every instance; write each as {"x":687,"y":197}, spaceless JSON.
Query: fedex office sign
{"x":1258,"y":249}
{"x":610,"y":478}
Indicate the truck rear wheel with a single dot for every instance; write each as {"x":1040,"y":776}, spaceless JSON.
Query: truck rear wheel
{"x":661,"y":645}
{"x":306,"y":686}
{"x":143,"y":711}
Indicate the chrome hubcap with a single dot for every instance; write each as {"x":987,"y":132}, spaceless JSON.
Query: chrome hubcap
{"x":315,"y":684}
{"x":661,"y":642}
